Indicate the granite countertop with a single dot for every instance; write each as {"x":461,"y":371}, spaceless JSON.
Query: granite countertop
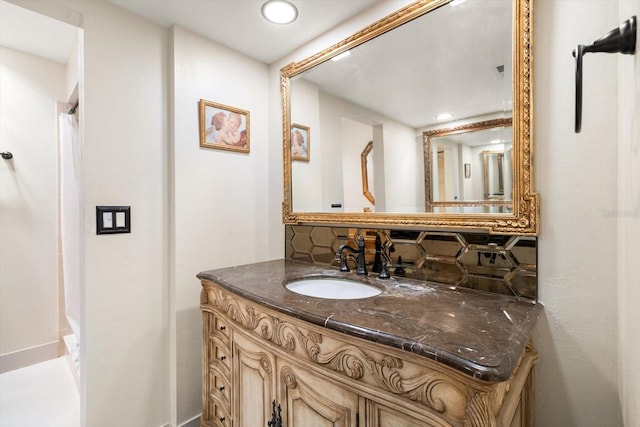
{"x":478,"y":333}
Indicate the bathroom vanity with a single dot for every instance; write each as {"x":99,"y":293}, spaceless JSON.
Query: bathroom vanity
{"x":416,"y":354}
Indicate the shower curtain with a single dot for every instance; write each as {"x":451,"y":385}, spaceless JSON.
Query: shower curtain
{"x":70,"y":226}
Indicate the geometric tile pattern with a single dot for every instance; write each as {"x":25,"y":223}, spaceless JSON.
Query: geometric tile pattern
{"x":490,"y":263}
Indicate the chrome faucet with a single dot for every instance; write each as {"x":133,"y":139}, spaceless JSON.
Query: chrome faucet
{"x":361,"y":265}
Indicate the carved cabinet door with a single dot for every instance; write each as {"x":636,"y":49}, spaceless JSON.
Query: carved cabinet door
{"x":309,"y":401}
{"x":254,"y":380}
{"x":379,"y":415}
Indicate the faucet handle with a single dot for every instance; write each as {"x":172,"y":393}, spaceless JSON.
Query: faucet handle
{"x":343,"y":264}
{"x":342,"y":257}
{"x":384,"y":273}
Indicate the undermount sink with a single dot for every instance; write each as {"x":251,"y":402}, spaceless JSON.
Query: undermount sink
{"x":332,"y":288}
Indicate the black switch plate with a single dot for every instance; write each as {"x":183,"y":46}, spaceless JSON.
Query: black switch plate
{"x":113,"y":219}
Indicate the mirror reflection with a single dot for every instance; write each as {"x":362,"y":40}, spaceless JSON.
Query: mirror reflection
{"x":432,"y":65}
{"x":470,"y":163}
{"x":389,"y":90}
{"x":366,"y":158}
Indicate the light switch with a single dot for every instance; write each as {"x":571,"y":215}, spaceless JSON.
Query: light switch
{"x":113,"y":219}
{"x":120,"y":219}
{"x":107,"y":220}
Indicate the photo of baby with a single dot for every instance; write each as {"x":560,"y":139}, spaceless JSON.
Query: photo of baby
{"x":223,"y":127}
{"x":300,"y":142}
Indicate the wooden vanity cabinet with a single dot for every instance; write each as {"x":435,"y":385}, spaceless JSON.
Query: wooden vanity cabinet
{"x":255,"y":359}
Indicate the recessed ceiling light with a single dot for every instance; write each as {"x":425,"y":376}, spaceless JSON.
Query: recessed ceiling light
{"x":444,"y":116}
{"x":496,"y":141}
{"x":279,"y":11}
{"x":342,"y":55}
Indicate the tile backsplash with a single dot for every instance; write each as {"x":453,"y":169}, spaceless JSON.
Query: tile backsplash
{"x":493,"y":263}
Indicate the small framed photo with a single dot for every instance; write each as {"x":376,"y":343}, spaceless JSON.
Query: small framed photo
{"x":223,"y":127}
{"x":300,"y":139}
{"x":467,"y":170}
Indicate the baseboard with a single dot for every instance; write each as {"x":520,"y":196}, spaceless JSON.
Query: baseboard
{"x":193,"y":422}
{"x":28,"y":356}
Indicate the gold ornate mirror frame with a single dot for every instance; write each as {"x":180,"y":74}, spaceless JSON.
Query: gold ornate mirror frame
{"x":524,"y":218}
{"x":365,"y":173}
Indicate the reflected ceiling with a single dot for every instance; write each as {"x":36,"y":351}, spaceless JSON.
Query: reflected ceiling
{"x":477,"y":89}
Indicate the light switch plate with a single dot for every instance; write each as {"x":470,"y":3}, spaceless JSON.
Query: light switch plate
{"x":113,"y":219}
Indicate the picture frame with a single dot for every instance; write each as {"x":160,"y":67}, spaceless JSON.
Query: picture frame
{"x":300,"y":142}
{"x":224,"y":127}
{"x":467,"y":170}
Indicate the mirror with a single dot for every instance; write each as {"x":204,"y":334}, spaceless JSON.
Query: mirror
{"x":389,"y":84}
{"x":472,"y":164}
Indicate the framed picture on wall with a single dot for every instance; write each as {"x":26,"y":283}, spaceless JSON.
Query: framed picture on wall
{"x":223,"y":127}
{"x":300,"y":139}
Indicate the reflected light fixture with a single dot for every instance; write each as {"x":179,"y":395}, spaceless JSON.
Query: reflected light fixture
{"x":341,"y":56}
{"x":444,"y":116}
{"x":279,"y":11}
{"x":496,"y":141}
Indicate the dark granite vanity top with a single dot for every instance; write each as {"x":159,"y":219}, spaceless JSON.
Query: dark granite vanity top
{"x":480,"y":334}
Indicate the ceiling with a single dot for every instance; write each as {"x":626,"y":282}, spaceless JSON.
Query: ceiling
{"x":239,"y":24}
{"x":39,"y":35}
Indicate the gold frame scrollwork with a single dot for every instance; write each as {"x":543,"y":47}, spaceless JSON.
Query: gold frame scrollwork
{"x":522,"y":220}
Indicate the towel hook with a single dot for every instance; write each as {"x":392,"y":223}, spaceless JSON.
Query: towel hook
{"x":619,"y":40}
{"x":6,"y":155}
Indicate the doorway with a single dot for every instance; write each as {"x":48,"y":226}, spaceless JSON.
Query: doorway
{"x":36,"y":83}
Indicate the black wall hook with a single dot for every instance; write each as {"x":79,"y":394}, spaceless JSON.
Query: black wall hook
{"x":619,"y":40}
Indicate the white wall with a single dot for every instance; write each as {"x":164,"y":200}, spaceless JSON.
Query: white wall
{"x":403,"y":169}
{"x":305,"y":188}
{"x":125,"y":163}
{"x":30,"y":86}
{"x":219,"y":196}
{"x":628,"y":214}
{"x":355,"y":137}
{"x":403,"y":159}
{"x":72,"y":77}
{"x":577,"y":335}
{"x":124,"y":107}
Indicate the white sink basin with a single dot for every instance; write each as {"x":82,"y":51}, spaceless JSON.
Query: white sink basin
{"x":332,"y":288}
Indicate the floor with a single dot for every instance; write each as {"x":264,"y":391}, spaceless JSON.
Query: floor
{"x":41,"y":395}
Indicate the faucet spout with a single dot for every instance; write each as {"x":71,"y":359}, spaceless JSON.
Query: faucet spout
{"x":343,"y":258}
{"x":361,"y":265}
